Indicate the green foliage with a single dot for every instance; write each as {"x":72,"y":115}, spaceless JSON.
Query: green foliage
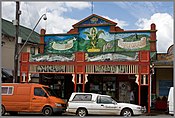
{"x":93,"y":36}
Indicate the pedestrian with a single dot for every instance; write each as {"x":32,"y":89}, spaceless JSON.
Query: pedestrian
{"x":132,"y":98}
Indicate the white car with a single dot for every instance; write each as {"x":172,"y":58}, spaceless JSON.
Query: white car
{"x":83,"y":104}
{"x":170,"y":102}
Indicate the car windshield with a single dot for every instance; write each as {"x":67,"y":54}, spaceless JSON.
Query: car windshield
{"x":50,"y":91}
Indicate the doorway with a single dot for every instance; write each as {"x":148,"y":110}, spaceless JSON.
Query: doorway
{"x":101,"y":84}
{"x":61,"y":84}
{"x":144,"y":96}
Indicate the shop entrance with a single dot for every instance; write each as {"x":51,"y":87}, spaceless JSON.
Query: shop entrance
{"x":144,"y":96}
{"x":61,"y":84}
{"x":102,"y":84}
{"x":117,"y":86}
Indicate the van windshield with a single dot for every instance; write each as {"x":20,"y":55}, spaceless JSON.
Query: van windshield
{"x":50,"y":91}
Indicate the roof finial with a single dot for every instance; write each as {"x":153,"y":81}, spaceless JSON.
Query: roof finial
{"x":92,"y":8}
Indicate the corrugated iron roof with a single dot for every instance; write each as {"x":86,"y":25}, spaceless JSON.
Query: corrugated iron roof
{"x":9,"y":29}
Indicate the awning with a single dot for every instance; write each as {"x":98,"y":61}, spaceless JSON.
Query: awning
{"x":163,"y":64}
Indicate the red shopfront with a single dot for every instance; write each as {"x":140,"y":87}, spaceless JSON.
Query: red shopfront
{"x":107,"y":70}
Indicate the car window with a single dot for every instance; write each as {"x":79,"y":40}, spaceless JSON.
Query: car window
{"x":7,"y":90}
{"x":39,"y":92}
{"x":104,"y":100}
{"x":82,"y":97}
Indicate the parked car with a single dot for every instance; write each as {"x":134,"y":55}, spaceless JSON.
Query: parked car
{"x":30,"y":97}
{"x":83,"y":104}
{"x":170,"y":102}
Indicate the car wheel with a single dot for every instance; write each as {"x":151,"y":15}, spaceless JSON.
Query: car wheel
{"x":47,"y":111}
{"x":2,"y":110}
{"x":126,"y":112}
{"x":82,"y":112}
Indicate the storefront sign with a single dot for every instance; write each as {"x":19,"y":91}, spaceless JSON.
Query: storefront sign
{"x":51,"y":68}
{"x":115,"y":69}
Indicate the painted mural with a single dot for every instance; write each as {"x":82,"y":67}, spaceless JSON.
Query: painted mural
{"x":60,"y":44}
{"x":97,"y":39}
{"x":94,"y":20}
{"x":98,"y":43}
{"x":103,"y":41}
{"x":120,"y":56}
{"x":52,"y":57}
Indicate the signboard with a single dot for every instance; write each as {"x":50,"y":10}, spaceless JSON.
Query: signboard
{"x":117,"y":69}
{"x":51,"y":68}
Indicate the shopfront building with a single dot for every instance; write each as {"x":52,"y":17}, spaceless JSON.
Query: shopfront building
{"x":95,"y":56}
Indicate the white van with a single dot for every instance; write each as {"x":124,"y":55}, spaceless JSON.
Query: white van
{"x":170,"y":102}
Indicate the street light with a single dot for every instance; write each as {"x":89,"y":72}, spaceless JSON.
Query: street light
{"x":18,"y":53}
{"x":45,"y":18}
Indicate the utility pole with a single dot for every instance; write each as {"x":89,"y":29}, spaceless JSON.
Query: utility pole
{"x":16,"y":23}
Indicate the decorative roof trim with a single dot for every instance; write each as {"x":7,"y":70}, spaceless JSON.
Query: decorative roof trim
{"x":94,"y":15}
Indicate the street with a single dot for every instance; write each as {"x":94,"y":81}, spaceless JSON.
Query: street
{"x":69,"y":115}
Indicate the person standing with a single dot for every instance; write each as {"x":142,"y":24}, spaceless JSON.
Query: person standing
{"x":132,"y":98}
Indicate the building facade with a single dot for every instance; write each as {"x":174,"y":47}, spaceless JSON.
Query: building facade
{"x":8,"y":47}
{"x":162,"y":78}
{"x":95,"y":56}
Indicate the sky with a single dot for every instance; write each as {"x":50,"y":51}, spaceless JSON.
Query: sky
{"x":128,"y":15}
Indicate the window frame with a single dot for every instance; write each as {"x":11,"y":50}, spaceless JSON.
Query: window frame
{"x":81,"y":97}
{"x":40,"y":89}
{"x":100,"y":98}
{"x":8,"y":90}
{"x":32,"y":50}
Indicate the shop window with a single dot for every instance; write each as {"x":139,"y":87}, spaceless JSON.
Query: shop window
{"x":39,"y":50}
{"x":32,"y":50}
{"x":164,"y":86}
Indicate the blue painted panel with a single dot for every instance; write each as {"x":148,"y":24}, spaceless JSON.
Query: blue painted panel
{"x":164,"y":86}
{"x":94,"y":20}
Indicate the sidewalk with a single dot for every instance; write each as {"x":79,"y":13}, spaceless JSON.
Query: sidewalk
{"x":155,"y":113}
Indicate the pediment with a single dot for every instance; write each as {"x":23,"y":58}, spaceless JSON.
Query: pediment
{"x":94,"y":20}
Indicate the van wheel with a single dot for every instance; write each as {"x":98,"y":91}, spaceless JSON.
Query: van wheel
{"x":3,"y":110}
{"x":82,"y":112}
{"x":47,"y":111}
{"x":126,"y":112}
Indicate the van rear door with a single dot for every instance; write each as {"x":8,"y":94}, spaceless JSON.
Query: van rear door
{"x":39,"y":99}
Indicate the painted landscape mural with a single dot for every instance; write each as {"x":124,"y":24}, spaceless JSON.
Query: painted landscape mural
{"x":61,"y":44}
{"x":97,"y":39}
{"x":98,"y":43}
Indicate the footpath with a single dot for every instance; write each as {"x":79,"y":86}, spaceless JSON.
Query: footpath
{"x":157,"y":113}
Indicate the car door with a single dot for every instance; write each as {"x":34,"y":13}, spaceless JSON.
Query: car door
{"x":39,"y":99}
{"x":106,"y":106}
